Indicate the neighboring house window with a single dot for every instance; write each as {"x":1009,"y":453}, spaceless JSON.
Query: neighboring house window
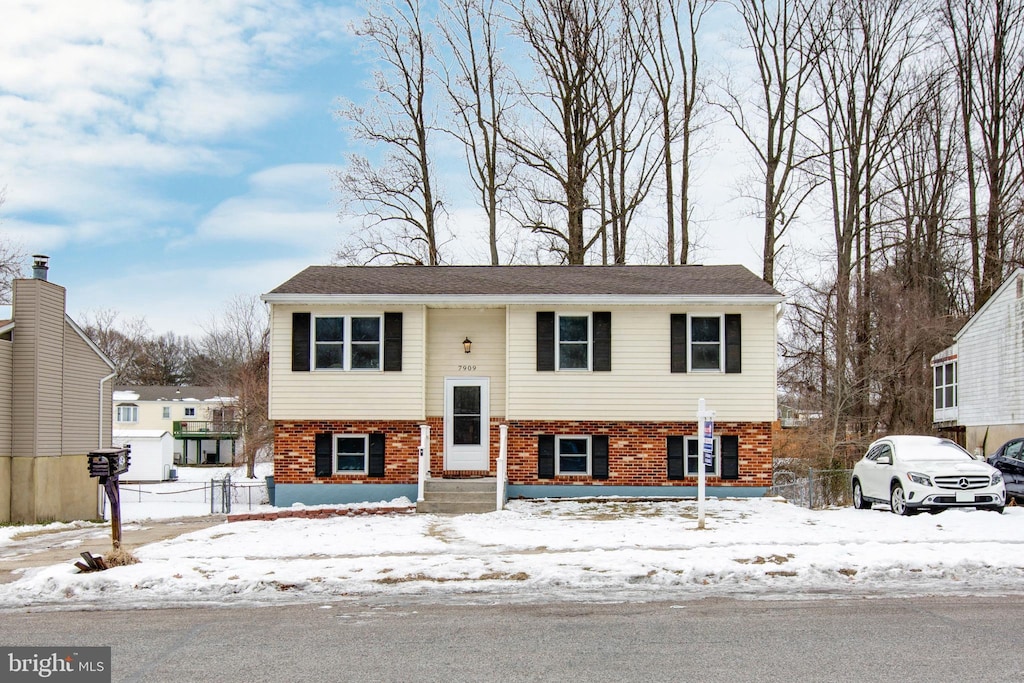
{"x":574,"y":342}
{"x":190,"y":412}
{"x":572,"y":455}
{"x":128,"y":413}
{"x":693,"y":452}
{"x":167,"y":412}
{"x":347,"y":343}
{"x":350,"y":453}
{"x":706,"y":342}
{"x":945,"y":386}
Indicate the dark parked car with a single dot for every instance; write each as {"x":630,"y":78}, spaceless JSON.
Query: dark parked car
{"x":1009,"y":459}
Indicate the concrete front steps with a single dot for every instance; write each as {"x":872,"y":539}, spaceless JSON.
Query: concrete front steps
{"x":459,"y":496}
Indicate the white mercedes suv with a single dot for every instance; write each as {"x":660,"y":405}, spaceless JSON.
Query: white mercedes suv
{"x":914,"y":473}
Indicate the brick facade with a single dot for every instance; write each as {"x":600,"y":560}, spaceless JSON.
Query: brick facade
{"x":636,"y":451}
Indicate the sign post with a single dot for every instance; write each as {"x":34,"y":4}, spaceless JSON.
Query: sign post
{"x":705,"y":454}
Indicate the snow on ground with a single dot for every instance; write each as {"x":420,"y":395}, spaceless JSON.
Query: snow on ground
{"x":544,"y":550}
{"x":190,"y":495}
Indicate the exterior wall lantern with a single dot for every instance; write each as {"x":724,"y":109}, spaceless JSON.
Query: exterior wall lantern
{"x":467,"y":344}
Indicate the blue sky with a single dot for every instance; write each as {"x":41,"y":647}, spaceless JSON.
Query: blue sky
{"x":171,"y":155}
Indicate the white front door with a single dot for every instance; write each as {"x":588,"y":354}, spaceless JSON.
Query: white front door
{"x":467,"y":423}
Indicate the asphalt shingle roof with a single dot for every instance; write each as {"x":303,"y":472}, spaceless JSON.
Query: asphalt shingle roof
{"x":727,"y":280}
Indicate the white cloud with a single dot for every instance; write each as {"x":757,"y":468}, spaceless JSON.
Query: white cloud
{"x":291,"y":204}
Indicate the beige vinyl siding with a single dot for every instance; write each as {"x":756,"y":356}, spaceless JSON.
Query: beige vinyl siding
{"x":38,"y":351}
{"x":6,"y":396}
{"x":446,"y":329}
{"x":83,"y":370}
{"x":640,"y":385}
{"x":327,"y":394}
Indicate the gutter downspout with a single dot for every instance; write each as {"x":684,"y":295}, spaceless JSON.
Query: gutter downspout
{"x":101,"y":500}
{"x":99,"y":438}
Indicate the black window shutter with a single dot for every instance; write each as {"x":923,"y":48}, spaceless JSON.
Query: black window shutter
{"x":375,"y":467}
{"x":675,"y":458}
{"x":732,"y":343}
{"x":392,"y":342}
{"x":300,"y":342}
{"x":602,"y":341}
{"x":545,"y":341}
{"x":678,"y":342}
{"x":324,"y":452}
{"x":730,"y":457}
{"x":599,"y":457}
{"x":546,"y":456}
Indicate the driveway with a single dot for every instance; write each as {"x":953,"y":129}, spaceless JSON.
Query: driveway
{"x":41,"y":546}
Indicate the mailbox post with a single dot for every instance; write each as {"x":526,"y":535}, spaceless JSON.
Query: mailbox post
{"x":108,"y":464}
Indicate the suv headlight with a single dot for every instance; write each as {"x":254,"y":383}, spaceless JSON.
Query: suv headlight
{"x":918,"y":478}
{"x":997,"y":478}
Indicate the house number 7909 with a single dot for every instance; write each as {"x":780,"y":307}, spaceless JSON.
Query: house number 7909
{"x":467,"y":368}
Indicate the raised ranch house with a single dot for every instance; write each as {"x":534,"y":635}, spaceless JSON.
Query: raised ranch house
{"x":54,"y":407}
{"x":978,"y":382}
{"x":588,"y":375}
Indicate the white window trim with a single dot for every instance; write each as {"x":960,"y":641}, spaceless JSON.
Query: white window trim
{"x":590,"y":341}
{"x":936,"y":386}
{"x":133,"y":411}
{"x":690,"y":342}
{"x":346,"y":344}
{"x":710,"y":472}
{"x":193,"y":413}
{"x":558,"y":455}
{"x":165,"y":413}
{"x":366,"y":453}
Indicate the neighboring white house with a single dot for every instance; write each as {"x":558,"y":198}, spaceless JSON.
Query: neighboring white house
{"x":200,"y":420}
{"x":978,"y":382}
{"x":152,"y":454}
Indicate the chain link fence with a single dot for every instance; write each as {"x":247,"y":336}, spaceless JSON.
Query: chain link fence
{"x":819,"y":489}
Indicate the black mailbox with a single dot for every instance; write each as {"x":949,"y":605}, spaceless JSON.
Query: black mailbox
{"x":109,"y":462}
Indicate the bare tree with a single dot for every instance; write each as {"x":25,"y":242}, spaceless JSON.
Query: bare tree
{"x":12,"y":257}
{"x":860,"y":84}
{"x":629,"y":149}
{"x":235,"y":349}
{"x":986,"y":47}
{"x":397,"y":199}
{"x":165,"y":360}
{"x":785,"y":47}
{"x":567,"y":42}
{"x":123,"y":342}
{"x":478,"y":84}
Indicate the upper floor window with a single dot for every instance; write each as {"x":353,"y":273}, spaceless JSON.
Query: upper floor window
{"x":128,"y":413}
{"x":167,"y":412}
{"x":190,"y":412}
{"x":574,"y":342}
{"x":945,"y":386}
{"x":706,"y":337}
{"x":347,"y":342}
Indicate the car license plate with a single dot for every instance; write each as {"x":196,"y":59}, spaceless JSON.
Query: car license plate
{"x":964,"y":497}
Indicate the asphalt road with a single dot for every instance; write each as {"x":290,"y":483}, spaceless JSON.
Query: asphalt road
{"x":878,"y":639}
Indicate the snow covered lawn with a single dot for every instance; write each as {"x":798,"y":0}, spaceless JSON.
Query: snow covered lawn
{"x":558,"y":550}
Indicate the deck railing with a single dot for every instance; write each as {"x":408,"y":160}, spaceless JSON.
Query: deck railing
{"x":208,"y":429}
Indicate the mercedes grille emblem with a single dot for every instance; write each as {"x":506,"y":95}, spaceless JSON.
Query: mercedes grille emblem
{"x":963,"y":483}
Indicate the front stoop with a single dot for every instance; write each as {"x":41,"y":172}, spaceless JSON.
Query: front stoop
{"x":459,"y":496}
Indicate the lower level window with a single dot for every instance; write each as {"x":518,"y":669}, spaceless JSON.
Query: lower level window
{"x":693,"y":452}
{"x":572,"y":455}
{"x":350,"y":453}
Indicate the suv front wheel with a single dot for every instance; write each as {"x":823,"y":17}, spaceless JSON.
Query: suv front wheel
{"x":898,"y":501}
